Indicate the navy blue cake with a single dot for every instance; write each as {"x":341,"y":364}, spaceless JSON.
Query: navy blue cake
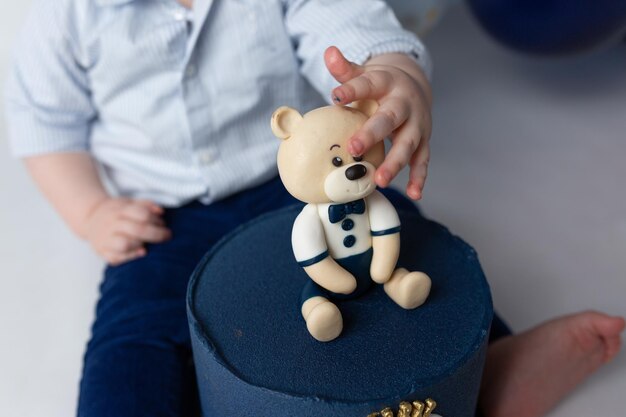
{"x":254,"y":356}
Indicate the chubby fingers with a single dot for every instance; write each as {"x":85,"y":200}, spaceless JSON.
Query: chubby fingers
{"x":407,"y":122}
{"x":357,"y":84}
{"x":143,"y":211}
{"x":339,"y":67}
{"x":403,"y":96}
{"x":122,"y":248}
{"x":418,"y":170}
{"x":143,"y":231}
{"x":142,"y":220}
{"x":391,"y":114}
{"x":410,"y":136}
{"x":138,"y":222}
{"x":394,"y":111}
{"x":405,"y":142}
{"x":373,"y":84}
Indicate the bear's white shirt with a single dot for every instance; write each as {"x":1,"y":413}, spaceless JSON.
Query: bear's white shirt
{"x":313,"y":234}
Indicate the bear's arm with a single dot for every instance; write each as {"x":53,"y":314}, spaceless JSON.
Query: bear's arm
{"x":311,"y":251}
{"x":385,"y":229}
{"x":329,"y":275}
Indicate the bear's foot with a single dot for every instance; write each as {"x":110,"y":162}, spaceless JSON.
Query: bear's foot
{"x":323,"y":319}
{"x":408,"y":289}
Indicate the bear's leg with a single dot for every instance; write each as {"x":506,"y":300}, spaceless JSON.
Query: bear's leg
{"x":408,"y":289}
{"x":323,"y":318}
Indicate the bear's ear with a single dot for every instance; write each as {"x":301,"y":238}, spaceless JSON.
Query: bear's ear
{"x":367,"y":107}
{"x":284,"y":121}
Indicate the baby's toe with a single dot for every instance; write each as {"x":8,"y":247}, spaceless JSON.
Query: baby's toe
{"x":595,"y":332}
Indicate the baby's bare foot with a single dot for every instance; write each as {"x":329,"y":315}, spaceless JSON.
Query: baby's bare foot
{"x":527,"y":374}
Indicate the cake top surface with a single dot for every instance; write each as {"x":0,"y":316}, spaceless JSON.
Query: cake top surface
{"x":244,"y":301}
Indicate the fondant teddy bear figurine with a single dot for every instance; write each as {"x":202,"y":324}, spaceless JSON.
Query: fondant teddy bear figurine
{"x":348,"y":234}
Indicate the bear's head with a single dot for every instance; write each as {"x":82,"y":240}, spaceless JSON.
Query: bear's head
{"x":313,"y":159}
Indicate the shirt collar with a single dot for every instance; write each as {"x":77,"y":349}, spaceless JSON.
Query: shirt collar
{"x":200,"y":10}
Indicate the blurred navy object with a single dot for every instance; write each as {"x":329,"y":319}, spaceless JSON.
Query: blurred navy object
{"x":553,"y":26}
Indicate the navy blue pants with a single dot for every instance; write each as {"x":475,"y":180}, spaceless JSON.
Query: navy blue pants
{"x":138,"y":361}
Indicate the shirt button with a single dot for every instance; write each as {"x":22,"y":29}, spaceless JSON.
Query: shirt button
{"x":347,"y":224}
{"x":349,"y":241}
{"x":190,"y":71}
{"x":206,"y":157}
{"x":180,"y":15}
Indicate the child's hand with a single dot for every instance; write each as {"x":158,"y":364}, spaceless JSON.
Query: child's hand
{"x":403,"y":93}
{"x":117,"y":228}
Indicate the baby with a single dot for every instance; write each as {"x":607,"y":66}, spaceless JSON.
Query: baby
{"x":169,"y":103}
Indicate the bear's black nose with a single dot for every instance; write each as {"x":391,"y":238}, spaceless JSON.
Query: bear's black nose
{"x":355,"y":172}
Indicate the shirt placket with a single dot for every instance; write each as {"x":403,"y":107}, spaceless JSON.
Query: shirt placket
{"x":195,"y":96}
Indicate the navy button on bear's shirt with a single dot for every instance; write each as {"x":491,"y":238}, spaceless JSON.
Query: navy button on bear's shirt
{"x":347,"y":224}
{"x":349,"y":241}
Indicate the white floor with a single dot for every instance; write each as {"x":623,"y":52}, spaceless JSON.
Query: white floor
{"x":527,"y":166}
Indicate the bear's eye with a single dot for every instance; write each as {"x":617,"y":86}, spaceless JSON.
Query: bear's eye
{"x":357,"y":158}
{"x":337,"y":161}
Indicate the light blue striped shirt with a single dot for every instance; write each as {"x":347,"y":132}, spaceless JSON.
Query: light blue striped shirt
{"x":175,"y":104}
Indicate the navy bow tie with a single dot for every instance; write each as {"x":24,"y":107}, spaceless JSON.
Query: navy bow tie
{"x":337,"y":212}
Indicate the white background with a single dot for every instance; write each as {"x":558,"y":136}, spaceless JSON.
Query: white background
{"x":528,"y":166}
